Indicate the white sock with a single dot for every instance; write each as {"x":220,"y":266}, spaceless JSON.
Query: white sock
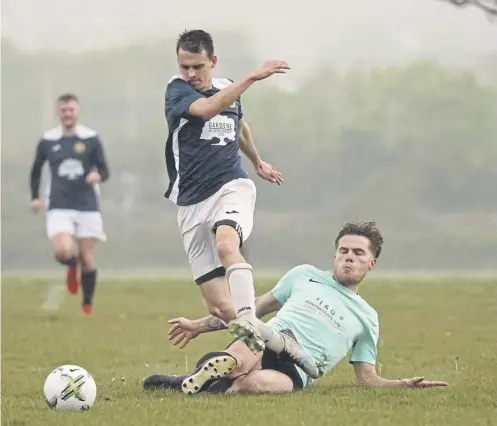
{"x":272,"y":339}
{"x":241,"y":284}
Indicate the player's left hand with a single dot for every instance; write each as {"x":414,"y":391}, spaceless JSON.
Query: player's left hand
{"x":93,"y":178}
{"x":420,"y":382}
{"x":269,"y":172}
{"x":182,"y":331}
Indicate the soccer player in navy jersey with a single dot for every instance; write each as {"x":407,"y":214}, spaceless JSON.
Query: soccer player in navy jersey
{"x":77,"y":164}
{"x":214,"y":195}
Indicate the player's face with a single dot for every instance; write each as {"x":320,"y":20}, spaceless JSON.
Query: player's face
{"x":68,"y":113}
{"x":196,"y":68}
{"x":353,"y":259}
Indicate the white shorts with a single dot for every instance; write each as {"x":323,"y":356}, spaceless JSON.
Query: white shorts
{"x":78,"y":224}
{"x":233,"y":205}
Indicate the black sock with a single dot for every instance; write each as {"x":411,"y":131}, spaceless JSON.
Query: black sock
{"x":220,"y":386}
{"x":88,"y":282}
{"x":73,"y":261}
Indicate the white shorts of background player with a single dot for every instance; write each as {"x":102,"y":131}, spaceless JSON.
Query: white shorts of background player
{"x":79,"y":224}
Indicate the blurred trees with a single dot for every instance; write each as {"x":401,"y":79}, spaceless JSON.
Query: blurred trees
{"x":413,"y":147}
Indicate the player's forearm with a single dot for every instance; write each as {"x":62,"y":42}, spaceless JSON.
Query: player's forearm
{"x":209,"y":324}
{"x":212,"y":323}
{"x":207,"y":108}
{"x":265,"y":305}
{"x":376,"y":381}
{"x":104,"y":173}
{"x":101,"y":162}
{"x":35,"y":179}
{"x":247,"y":144}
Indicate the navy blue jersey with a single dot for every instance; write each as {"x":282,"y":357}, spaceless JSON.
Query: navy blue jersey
{"x":70,"y":158}
{"x":201,"y":156}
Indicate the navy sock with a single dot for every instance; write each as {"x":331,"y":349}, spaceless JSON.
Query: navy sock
{"x":73,"y":261}
{"x":88,"y":282}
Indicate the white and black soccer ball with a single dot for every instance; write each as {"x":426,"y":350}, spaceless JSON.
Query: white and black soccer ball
{"x":70,"y":387}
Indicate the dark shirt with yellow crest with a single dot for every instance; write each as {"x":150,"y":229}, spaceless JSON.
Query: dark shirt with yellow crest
{"x":70,"y":159}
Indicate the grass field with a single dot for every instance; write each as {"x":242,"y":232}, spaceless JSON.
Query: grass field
{"x":442,"y":329}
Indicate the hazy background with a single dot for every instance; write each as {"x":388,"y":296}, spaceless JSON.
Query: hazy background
{"x":389,"y":114}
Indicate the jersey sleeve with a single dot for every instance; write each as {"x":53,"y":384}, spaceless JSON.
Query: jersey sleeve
{"x":366,"y":346}
{"x":284,"y":287}
{"x":100,"y":160}
{"x":240,"y":109}
{"x":179,"y":96}
{"x":35,"y":175}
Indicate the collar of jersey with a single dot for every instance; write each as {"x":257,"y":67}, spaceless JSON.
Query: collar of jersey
{"x":341,"y":287}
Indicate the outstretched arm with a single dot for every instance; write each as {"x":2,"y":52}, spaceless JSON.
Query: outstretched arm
{"x":247,"y":146}
{"x":184,"y":329}
{"x":264,"y":305}
{"x":366,"y":376}
{"x":206,"y":108}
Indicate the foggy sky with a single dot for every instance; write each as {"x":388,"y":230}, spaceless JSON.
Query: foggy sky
{"x":390,"y":30}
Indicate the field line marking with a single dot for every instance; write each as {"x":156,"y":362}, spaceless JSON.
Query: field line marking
{"x":55,"y":296}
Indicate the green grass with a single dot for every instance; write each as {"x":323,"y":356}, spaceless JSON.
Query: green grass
{"x":440,"y":329}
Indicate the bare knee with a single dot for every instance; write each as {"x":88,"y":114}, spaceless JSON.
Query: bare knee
{"x":263,"y":381}
{"x":228,"y":245}
{"x":63,"y":247}
{"x":246,"y":360}
{"x":254,"y":382}
{"x":227,"y":251}
{"x":63,"y":255}
{"x":222,"y":309}
{"x":63,"y":252}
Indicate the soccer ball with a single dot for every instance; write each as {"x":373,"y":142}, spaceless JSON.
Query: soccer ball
{"x":70,"y":387}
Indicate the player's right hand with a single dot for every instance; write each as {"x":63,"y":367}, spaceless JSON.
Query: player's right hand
{"x":269,"y":172}
{"x":268,"y":69}
{"x":420,"y":382}
{"x":182,"y":331}
{"x":36,"y":205}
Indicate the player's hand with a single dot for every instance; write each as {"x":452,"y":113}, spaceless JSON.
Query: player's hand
{"x":182,"y":331}
{"x":269,"y":172}
{"x":93,"y":178}
{"x":36,"y":205}
{"x":268,"y":69}
{"x":420,"y":382}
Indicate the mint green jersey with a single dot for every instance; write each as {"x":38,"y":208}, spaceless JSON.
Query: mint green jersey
{"x":327,"y":318}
